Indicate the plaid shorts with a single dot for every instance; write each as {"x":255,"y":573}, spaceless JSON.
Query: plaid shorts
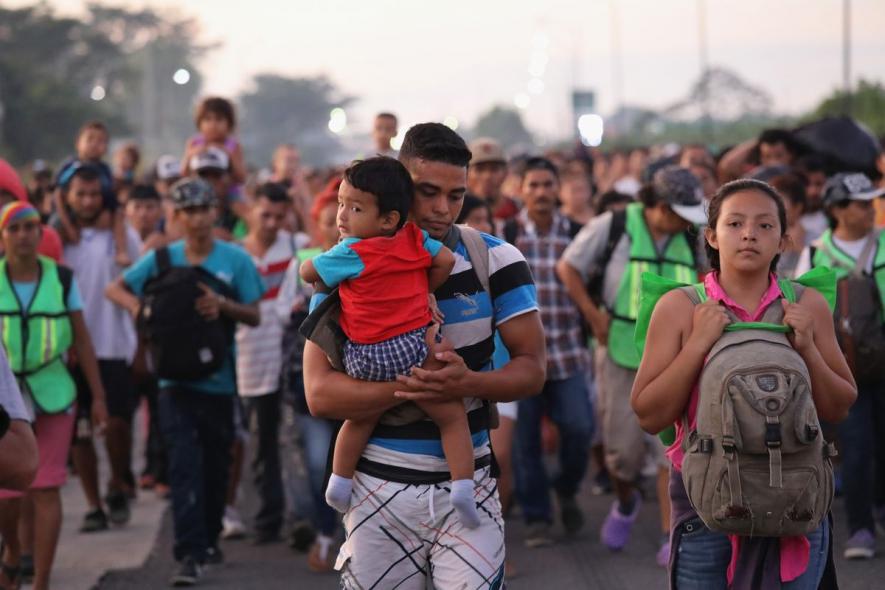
{"x":384,"y":360}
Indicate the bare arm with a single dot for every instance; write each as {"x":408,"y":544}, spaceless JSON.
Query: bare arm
{"x":333,"y":394}
{"x":119,"y":293}
{"x":308,"y":272}
{"x":597,"y":318}
{"x":89,"y":365}
{"x":672,"y":361}
{"x":238,"y":164}
{"x":245,"y":313}
{"x":832,"y":385}
{"x":440,"y":269}
{"x":18,"y":456}
{"x":522,"y":377}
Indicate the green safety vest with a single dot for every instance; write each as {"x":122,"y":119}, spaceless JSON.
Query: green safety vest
{"x":676,"y":262}
{"x":36,"y":338}
{"x":842,"y":264}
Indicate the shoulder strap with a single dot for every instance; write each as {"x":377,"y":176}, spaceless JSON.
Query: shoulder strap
{"x":164,"y":261}
{"x":865,"y":254}
{"x":511,"y":231}
{"x":66,"y":277}
{"x":478,"y":251}
{"x":618,"y":227}
{"x":574,"y":228}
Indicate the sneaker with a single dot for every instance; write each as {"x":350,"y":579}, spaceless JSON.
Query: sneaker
{"x":118,"y":508}
{"x":616,"y":529}
{"x":571,"y":514}
{"x":861,"y":545}
{"x":189,"y":571}
{"x":602,"y":484}
{"x":94,"y":521}
{"x":302,"y":536}
{"x":232,"y":524}
{"x":538,"y":535}
{"x":663,"y":556}
{"x":214,"y":556}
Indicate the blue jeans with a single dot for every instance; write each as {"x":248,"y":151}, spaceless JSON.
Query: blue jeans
{"x":568,"y":404}
{"x":316,"y":436}
{"x":702,"y":558}
{"x":860,"y":433}
{"x":199,"y":430}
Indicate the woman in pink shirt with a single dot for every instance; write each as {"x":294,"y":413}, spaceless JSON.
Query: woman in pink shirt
{"x":745,"y":235}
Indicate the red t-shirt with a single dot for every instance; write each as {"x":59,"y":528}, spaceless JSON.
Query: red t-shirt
{"x":382,"y":282}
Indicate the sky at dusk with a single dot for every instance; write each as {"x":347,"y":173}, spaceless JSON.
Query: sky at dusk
{"x":430,"y":60}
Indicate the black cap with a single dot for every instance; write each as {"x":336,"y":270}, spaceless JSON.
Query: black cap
{"x":192,"y":192}
{"x":850,"y":186}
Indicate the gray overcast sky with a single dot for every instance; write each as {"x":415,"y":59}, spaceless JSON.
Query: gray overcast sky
{"x":427,"y":60}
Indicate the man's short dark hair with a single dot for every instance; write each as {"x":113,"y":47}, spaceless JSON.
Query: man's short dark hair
{"x":144,"y":192}
{"x":388,"y":180}
{"x":86,"y":173}
{"x":539,"y":163}
{"x":784,"y":136}
{"x":386,"y":115}
{"x":812,"y":163}
{"x":273,"y":192}
{"x":436,"y":143}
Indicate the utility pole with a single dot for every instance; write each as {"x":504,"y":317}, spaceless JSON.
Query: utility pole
{"x":846,"y":57}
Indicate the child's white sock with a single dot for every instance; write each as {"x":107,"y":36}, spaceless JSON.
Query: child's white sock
{"x":463,"y":503}
{"x":338,"y":492}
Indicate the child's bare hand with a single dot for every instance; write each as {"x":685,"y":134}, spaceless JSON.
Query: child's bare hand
{"x":437,"y":317}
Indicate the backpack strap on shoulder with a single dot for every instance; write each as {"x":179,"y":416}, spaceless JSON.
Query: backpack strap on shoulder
{"x":511,"y":231}
{"x":164,"y":261}
{"x":617,"y":229}
{"x":478,"y":251}
{"x":66,"y":277}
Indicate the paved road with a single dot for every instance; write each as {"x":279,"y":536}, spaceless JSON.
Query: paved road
{"x":580,"y":562}
{"x":138,"y":556}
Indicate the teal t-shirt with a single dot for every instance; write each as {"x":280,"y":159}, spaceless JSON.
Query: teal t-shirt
{"x":25,"y":293}
{"x":230,"y":264}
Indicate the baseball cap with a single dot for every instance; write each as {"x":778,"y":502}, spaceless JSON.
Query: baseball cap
{"x":682,"y":191}
{"x":168,"y":167}
{"x":10,"y":181}
{"x":40,"y":168}
{"x":192,"y":192}
{"x":486,"y":149}
{"x":851,"y":186}
{"x":212,"y":158}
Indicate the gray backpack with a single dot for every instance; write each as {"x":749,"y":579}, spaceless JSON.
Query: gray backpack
{"x":757,"y":463}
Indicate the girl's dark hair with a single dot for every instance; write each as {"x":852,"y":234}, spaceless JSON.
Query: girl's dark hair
{"x":472,"y":202}
{"x":218,"y":106}
{"x":737,"y":186}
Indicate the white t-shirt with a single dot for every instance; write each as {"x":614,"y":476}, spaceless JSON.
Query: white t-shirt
{"x":814,"y":224}
{"x":852,"y":248}
{"x":92,"y":260}
{"x":259,"y":349}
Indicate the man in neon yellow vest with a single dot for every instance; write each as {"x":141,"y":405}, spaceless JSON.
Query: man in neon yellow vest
{"x":848,"y":200}
{"x":40,"y":319}
{"x":652,"y":235}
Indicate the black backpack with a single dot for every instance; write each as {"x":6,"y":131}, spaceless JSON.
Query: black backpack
{"x":184,"y":346}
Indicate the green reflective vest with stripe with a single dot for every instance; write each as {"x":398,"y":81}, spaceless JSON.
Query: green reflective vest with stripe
{"x":829,"y":254}
{"x":36,"y":337}
{"x":676,"y":262}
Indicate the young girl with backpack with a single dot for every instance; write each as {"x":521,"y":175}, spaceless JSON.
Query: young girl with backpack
{"x":745,"y":235}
